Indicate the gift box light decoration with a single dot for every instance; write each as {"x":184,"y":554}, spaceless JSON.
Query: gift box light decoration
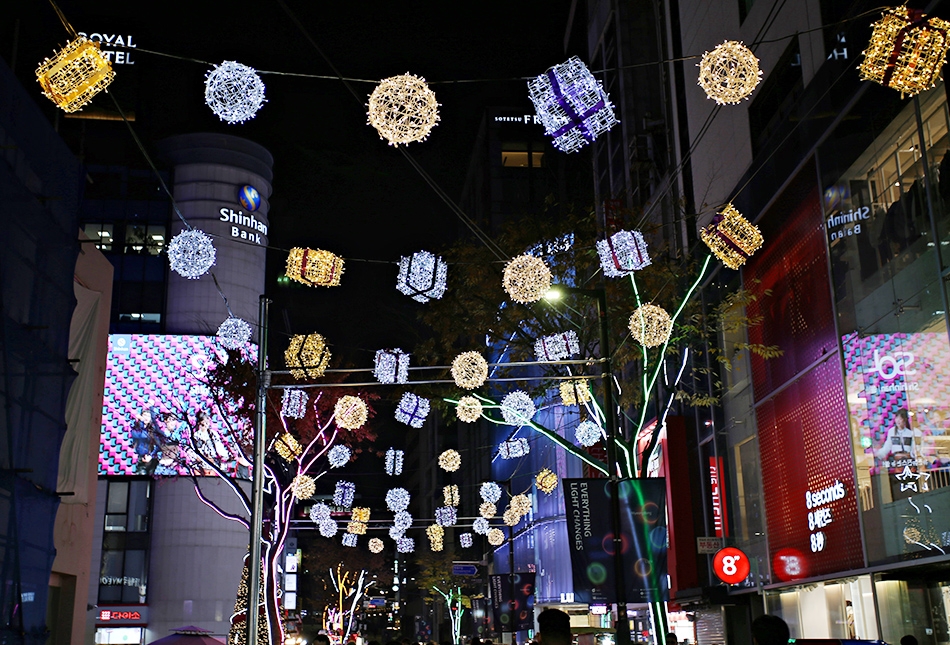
{"x":729,"y":73}
{"x":303,"y":487}
{"x":517,"y":408}
{"x":412,"y":410}
{"x":496,"y":537}
{"x":314,"y":267}
{"x":487,"y":510}
{"x":521,"y":504}
{"x":350,"y":539}
{"x":307,"y":356}
{"x":403,"y":109}
{"x":514,"y":448}
{"x":557,"y":347}
{"x":466,"y":540}
{"x":481,"y":525}
{"x":394,"y":459}
{"x":435,"y":534}
{"x":571,"y":104}
{"x":75,"y":74}
{"x":587,"y":433}
{"x":575,"y":391}
{"x":375,"y":545}
{"x":650,"y":325}
{"x":287,"y":447}
{"x":511,"y":517}
{"x":319,"y":512}
{"x":234,"y":91}
{"x":526,"y":279}
{"x":343,"y":494}
{"x":294,"y":404}
{"x":490,"y":492}
{"x":391,"y":366}
{"x":731,"y":237}
{"x":234,"y":333}
{"x":450,"y":460}
{"x":396,"y":532}
{"x":623,"y":253}
{"x":546,"y":481}
{"x":356,"y":528}
{"x":397,"y":499}
{"x":446,"y":516}
{"x":328,"y":528}
{"x":451,"y":495}
{"x":360,"y":514}
{"x":350,"y":412}
{"x":191,"y":254}
{"x":422,"y":276}
{"x":906,"y":52}
{"x":469,"y":370}
{"x":469,"y":409}
{"x":402,"y":520}
{"x":405,"y":545}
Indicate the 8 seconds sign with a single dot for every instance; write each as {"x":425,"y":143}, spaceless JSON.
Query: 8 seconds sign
{"x":731,"y":565}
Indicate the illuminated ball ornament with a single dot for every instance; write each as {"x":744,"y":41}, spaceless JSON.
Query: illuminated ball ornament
{"x":451,"y":495}
{"x":405,"y":545}
{"x":191,"y":254}
{"x":422,"y":276}
{"x":320,"y":512}
{"x":394,"y":459}
{"x":397,"y":499}
{"x":450,"y":461}
{"x":339,"y":456}
{"x":294,"y":404}
{"x":469,"y":409}
{"x":514,"y":448}
{"x":307,"y":356}
{"x":350,"y":412}
{"x":446,"y":516}
{"x":465,"y":539}
{"x":546,"y":481}
{"x":391,"y":366}
{"x":350,"y":539}
{"x":249,"y":197}
{"x":496,"y":537}
{"x":623,"y":253}
{"x":557,"y":347}
{"x":517,"y":408}
{"x":469,"y":370}
{"x":288,"y":447}
{"x":575,"y":392}
{"x":481,"y":525}
{"x":328,"y":528}
{"x":314,"y":267}
{"x":403,"y":109}
{"x":729,"y":73}
{"x":303,"y":487}
{"x":412,"y":410}
{"x":587,"y":433}
{"x":375,"y":545}
{"x":402,"y":520}
{"x":731,"y":237}
{"x":571,"y":104}
{"x":490,"y":492}
{"x":521,"y":504}
{"x":487,"y":510}
{"x":511,"y":517}
{"x":234,"y":333}
{"x":234,"y":92}
{"x":343,"y":494}
{"x":650,"y":325}
{"x":75,"y":74}
{"x":906,"y":52}
{"x":526,"y":279}
{"x":396,"y":533}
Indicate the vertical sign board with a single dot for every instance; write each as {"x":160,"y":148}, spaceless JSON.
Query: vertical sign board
{"x":717,"y":492}
{"x":523,"y":609}
{"x":644,"y":539}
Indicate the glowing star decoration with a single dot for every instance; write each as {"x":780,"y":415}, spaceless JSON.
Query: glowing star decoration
{"x":731,"y":237}
{"x":575,"y":392}
{"x":343,"y":494}
{"x":307,"y":356}
{"x":451,"y":495}
{"x":391,"y":366}
{"x":446,"y":516}
{"x":623,"y":253}
{"x":314,"y":267}
{"x":288,"y":447}
{"x":403,"y":109}
{"x":412,"y":410}
{"x":906,"y":52}
{"x":496,"y":537}
{"x":75,"y":74}
{"x":191,"y":254}
{"x":465,"y":539}
{"x":350,"y":539}
{"x":514,"y":448}
{"x":422,"y":276}
{"x":394,"y":459}
{"x":320,"y":512}
{"x":517,"y":408}
{"x":395,"y":533}
{"x":435,"y":534}
{"x":405,"y":545}
{"x":397,"y":499}
{"x":328,"y":528}
{"x":294,"y":404}
{"x":481,"y":525}
{"x":526,"y":279}
{"x":402,"y":520}
{"x":469,"y":370}
{"x":587,"y":433}
{"x":487,"y":510}
{"x":360,"y":514}
{"x":303,"y":487}
{"x":450,"y":460}
{"x":339,"y":456}
{"x":350,"y":412}
{"x":546,"y":481}
{"x":571,"y":104}
{"x":375,"y":545}
{"x":356,"y":528}
{"x":650,"y":325}
{"x":521,"y":504}
{"x":234,"y":92}
{"x":556,"y":347}
{"x":490,"y":492}
{"x":234,"y":333}
{"x":511,"y":517}
{"x":729,"y":73}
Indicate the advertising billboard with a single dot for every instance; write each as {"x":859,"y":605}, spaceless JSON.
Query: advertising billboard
{"x":156,"y":402}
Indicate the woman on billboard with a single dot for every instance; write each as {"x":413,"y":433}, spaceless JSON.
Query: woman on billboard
{"x":900,"y":447}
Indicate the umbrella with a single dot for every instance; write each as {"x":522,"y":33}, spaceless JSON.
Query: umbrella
{"x":189,"y":635}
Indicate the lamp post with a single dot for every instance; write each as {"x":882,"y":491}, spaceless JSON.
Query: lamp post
{"x":257,"y":494}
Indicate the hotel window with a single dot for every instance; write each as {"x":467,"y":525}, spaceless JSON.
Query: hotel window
{"x":522,"y":154}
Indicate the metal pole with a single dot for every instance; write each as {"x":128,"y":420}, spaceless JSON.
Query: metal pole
{"x":511,"y":574}
{"x":257,"y":494}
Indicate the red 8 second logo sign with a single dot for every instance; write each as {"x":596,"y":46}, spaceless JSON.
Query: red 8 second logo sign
{"x":731,"y":565}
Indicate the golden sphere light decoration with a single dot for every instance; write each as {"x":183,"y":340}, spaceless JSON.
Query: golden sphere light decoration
{"x":511,"y":517}
{"x":469,"y":409}
{"x":496,"y":537}
{"x":288,"y":447}
{"x":731,"y":237}
{"x":729,"y":73}
{"x":575,"y":391}
{"x":307,"y":356}
{"x":526,"y":279}
{"x":521,"y":504}
{"x":906,"y":52}
{"x":650,"y":325}
{"x":350,"y":412}
{"x":403,"y":109}
{"x":469,"y":370}
{"x":314,"y":267}
{"x":546,"y":481}
{"x":450,"y":460}
{"x":303,"y":487}
{"x":75,"y":74}
{"x":375,"y":545}
{"x":487,"y":510}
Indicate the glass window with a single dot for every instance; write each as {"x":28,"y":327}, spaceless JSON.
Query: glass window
{"x":101,"y":233}
{"x":117,"y":499}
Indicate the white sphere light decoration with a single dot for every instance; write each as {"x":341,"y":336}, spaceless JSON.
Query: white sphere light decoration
{"x":517,"y":408}
{"x":422,"y":276}
{"x":397,"y":499}
{"x":320,"y":512}
{"x":469,"y":409}
{"x":328,"y":528}
{"x":481,"y":525}
{"x":496,"y":537}
{"x":339,"y":456}
{"x":729,"y":73}
{"x":234,"y":92}
{"x":403,"y":109}
{"x":395,"y":532}
{"x":526,"y":279}
{"x":490,"y":492}
{"x":191,"y":254}
{"x":376,"y":545}
{"x":469,"y":370}
{"x":587,"y":433}
{"x":402,"y":520}
{"x":234,"y":333}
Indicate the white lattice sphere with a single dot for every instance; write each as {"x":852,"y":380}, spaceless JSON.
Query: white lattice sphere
{"x":490,"y":492}
{"x":517,"y":408}
{"x":469,"y":370}
{"x":391,"y":366}
{"x":469,"y":409}
{"x":343,"y":494}
{"x":395,"y":532}
{"x":375,"y":545}
{"x":350,"y":539}
{"x":320,"y":512}
{"x":496,"y":537}
{"x":481,"y":525}
{"x":422,"y":276}
{"x":587,"y":433}
{"x":191,"y":254}
{"x":446,"y":516}
{"x":303,"y":487}
{"x":575,"y":391}
{"x":487,"y":510}
{"x":450,"y":460}
{"x":294,"y":404}
{"x":350,"y":412}
{"x":546,"y":481}
{"x":511,"y":517}
{"x":394,"y":459}
{"x":234,"y":333}
{"x":521,"y":504}
{"x":234,"y":91}
{"x":729,"y":73}
{"x":403,"y":109}
{"x":328,"y":528}
{"x":623,"y":253}
{"x":339,"y":456}
{"x":526,"y":279}
{"x":402,"y":520}
{"x":557,"y":347}
{"x":397,"y":499}
{"x":412,"y":410}
{"x":405,"y":545}
{"x":650,"y":325}
{"x":466,"y":540}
